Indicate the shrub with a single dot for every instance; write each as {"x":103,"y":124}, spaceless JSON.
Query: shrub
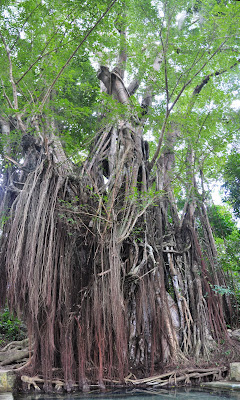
{"x":11,"y":328}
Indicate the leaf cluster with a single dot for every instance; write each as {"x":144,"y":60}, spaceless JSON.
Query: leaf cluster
{"x":11,"y":328}
{"x":227,"y":237}
{"x":232,"y":181}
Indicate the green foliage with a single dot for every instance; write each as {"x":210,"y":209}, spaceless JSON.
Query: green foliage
{"x":75,"y":105}
{"x":195,"y":40}
{"x":228,"y":252}
{"x":11,"y":328}
{"x":221,"y":221}
{"x":222,"y":290}
{"x":43,"y":35}
{"x":232,"y":181}
{"x":227,"y":238}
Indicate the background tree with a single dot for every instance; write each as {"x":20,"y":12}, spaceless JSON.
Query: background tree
{"x":232,"y":180}
{"x":227,"y":238}
{"x":109,"y":270}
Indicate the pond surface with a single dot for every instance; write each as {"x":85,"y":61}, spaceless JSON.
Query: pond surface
{"x":180,"y":394}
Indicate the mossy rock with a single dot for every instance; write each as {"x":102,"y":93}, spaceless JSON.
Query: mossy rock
{"x":7,"y":381}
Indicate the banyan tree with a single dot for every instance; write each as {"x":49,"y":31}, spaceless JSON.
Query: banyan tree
{"x":111,"y":260}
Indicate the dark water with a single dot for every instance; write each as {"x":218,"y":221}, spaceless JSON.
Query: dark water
{"x":180,"y":394}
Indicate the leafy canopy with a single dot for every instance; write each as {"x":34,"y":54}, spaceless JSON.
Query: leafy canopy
{"x":232,"y":181}
{"x":196,"y":42}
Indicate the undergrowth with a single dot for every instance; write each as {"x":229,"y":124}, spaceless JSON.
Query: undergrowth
{"x":11,"y":328}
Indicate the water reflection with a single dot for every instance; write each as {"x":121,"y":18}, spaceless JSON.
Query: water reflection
{"x":184,"y":394}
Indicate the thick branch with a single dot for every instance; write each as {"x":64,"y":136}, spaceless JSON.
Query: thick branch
{"x":204,"y":82}
{"x":133,"y":87}
{"x":114,"y":84}
{"x":122,"y":57}
{"x":199,"y":87}
{"x":196,"y":74}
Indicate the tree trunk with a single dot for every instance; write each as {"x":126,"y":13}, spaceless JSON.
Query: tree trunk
{"x":106,"y":275}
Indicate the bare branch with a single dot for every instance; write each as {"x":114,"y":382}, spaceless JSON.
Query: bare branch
{"x":120,"y":25}
{"x":6,"y":96}
{"x":198,"y":88}
{"x":17,"y":164}
{"x":15,"y":100}
{"x":204,"y":82}
{"x":196,"y":74}
{"x":148,"y":95}
{"x":164,"y":51}
{"x":14,"y":88}
{"x":26,"y":20}
{"x":186,"y":73}
{"x":73,"y":54}
{"x":156,"y":154}
{"x":42,"y":55}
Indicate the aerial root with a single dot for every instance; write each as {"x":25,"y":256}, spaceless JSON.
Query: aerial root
{"x":172,"y":378}
{"x":14,"y":353}
{"x":35,"y":380}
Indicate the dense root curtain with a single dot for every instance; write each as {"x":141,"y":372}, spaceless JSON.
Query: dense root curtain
{"x":107,"y":276}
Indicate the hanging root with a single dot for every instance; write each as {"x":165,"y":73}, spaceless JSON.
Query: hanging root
{"x":99,"y":294}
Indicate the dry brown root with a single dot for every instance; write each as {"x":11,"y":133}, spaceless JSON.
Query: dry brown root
{"x":34,"y":381}
{"x":24,"y":364}
{"x":17,"y":344}
{"x":174,"y":377}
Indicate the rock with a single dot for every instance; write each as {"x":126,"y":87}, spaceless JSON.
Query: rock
{"x":235,"y":371}
{"x":7,"y":380}
{"x":6,"y":396}
{"x":236,"y":334}
{"x":221,"y":385}
{"x":210,"y":342}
